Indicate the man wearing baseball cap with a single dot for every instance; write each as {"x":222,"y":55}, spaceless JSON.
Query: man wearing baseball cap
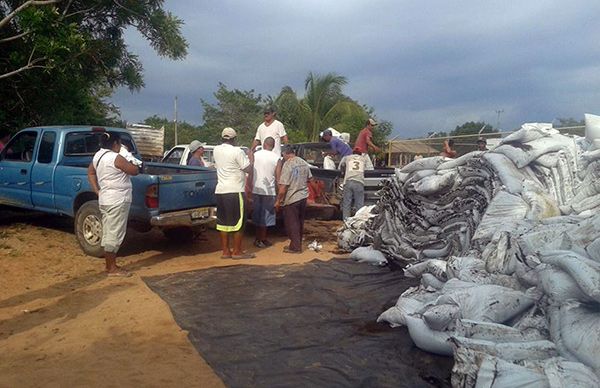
{"x":481,"y":144}
{"x":232,"y":164}
{"x":338,"y":147}
{"x":363,"y":142}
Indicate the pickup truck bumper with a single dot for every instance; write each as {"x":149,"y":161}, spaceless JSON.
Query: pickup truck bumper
{"x":190,"y":217}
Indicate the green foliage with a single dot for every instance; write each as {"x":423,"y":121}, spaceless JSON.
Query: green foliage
{"x":59,"y":62}
{"x":472,"y":128}
{"x":569,"y":122}
{"x":323,"y":106}
{"x":186,"y":132}
{"x":238,"y":109}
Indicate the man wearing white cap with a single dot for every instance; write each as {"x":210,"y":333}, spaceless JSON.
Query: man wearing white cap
{"x":232,"y":164}
{"x":364,"y":142}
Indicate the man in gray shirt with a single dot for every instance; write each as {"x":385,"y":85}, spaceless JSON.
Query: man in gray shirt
{"x":292,"y":195}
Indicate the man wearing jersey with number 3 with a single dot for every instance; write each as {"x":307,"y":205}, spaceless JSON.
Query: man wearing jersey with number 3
{"x":353,"y":168}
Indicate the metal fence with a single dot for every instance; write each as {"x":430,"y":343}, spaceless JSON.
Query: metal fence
{"x":404,"y":151}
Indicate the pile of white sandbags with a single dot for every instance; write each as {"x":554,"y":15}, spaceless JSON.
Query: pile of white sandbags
{"x":507,"y":250}
{"x":435,"y":207}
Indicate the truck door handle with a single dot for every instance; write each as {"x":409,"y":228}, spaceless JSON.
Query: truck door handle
{"x":199,"y":184}
{"x":23,"y":172}
{"x":39,"y":183}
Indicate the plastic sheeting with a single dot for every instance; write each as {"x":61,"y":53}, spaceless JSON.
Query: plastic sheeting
{"x":299,"y":325}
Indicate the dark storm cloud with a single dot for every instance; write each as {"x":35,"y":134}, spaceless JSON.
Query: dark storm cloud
{"x":421,"y":65}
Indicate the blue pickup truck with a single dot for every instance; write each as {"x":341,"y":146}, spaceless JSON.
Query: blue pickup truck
{"x":45,"y":169}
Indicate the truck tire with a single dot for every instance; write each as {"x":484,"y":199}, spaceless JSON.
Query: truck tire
{"x":88,"y":228}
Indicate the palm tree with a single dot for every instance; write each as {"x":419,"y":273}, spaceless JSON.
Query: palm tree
{"x":323,"y":105}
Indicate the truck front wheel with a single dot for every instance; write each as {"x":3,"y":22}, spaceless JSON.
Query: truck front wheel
{"x":88,"y":228}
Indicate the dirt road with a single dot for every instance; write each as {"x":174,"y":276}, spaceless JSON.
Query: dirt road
{"x":63,"y":323}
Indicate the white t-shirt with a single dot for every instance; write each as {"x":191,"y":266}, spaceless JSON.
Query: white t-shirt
{"x":115,"y":185}
{"x":263,"y":179}
{"x":274,"y":130}
{"x":354,"y":166}
{"x":230,"y":162}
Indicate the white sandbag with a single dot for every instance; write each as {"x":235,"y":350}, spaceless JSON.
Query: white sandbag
{"x":430,"y":281}
{"x":548,"y":160}
{"x":500,"y":254}
{"x":592,"y":127}
{"x":482,"y":277}
{"x":504,"y":213}
{"x":526,"y":275}
{"x":495,"y":332}
{"x":497,"y":373}
{"x":401,"y":176}
{"x":423,"y":164}
{"x":533,"y":322}
{"x":580,"y":332}
{"x":530,"y":132}
{"x":584,"y":271}
{"x":509,"y":174}
{"x":509,"y":351}
{"x":457,"y":264}
{"x":522,"y":156}
{"x":435,"y":267}
{"x":395,"y":314}
{"x":562,"y":373}
{"x":559,"y":285}
{"x":368,"y":255}
{"x":328,"y":163}
{"x":488,"y":302}
{"x":434,"y":184}
{"x":441,"y":317}
{"x":540,"y":204}
{"x":463,"y":159}
{"x":432,"y":341}
{"x":553,"y":313}
{"x":453,"y":285}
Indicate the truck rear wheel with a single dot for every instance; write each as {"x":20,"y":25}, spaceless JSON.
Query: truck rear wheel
{"x":88,"y":228}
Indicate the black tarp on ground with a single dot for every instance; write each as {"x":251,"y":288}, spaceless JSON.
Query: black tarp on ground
{"x":305,"y":325}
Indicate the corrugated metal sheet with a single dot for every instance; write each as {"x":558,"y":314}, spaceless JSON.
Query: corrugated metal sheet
{"x":149,"y":141}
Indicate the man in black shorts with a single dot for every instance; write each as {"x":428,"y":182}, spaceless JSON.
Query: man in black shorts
{"x":232,"y":164}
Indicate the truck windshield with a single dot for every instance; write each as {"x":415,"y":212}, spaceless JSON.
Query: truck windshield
{"x":88,"y":143}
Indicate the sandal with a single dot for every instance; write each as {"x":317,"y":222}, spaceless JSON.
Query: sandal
{"x":288,"y":250}
{"x":243,"y":256}
{"x":120,"y":273}
{"x":267,"y":243}
{"x":259,"y":244}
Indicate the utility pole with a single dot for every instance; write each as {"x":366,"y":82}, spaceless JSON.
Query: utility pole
{"x":175,"y":121}
{"x":499,"y":112}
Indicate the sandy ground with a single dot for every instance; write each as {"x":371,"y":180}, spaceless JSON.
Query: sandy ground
{"x":63,"y":323}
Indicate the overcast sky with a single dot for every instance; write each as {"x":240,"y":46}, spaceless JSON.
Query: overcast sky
{"x":423,"y":65}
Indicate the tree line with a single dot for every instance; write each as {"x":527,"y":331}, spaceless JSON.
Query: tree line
{"x":323,"y":105}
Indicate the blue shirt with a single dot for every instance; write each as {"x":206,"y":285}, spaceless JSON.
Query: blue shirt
{"x":338,"y":145}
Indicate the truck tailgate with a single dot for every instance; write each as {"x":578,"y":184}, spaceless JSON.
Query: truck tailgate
{"x":181,"y":188}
